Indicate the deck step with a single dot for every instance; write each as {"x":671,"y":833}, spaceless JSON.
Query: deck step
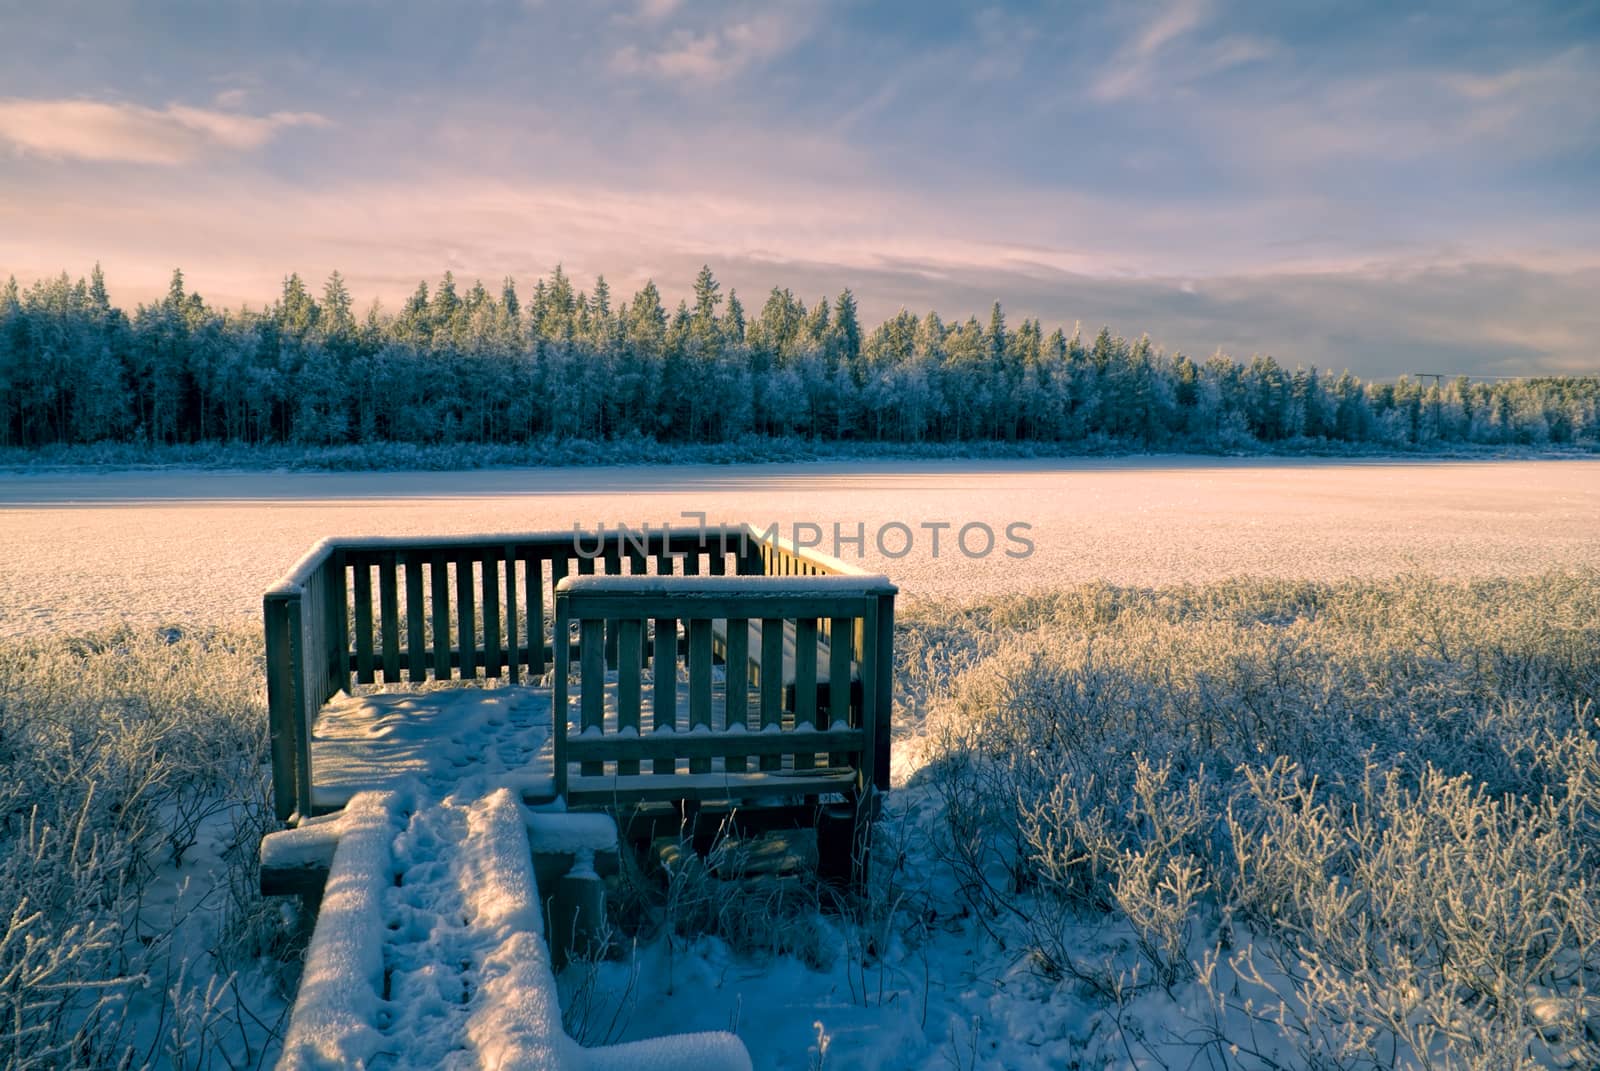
{"x":429,"y":947}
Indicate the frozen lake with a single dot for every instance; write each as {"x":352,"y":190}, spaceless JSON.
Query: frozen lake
{"x":88,"y":549}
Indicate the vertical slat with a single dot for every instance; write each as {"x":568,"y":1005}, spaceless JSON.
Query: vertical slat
{"x":700,"y":684}
{"x":439,"y":580}
{"x":514,"y":655}
{"x":466,"y":619}
{"x":416,"y":621}
{"x":491,"y":616}
{"x":664,"y":673}
{"x":869,"y":700}
{"x":736,"y":694}
{"x":630,"y":643}
{"x":363,"y":598}
{"x":805,"y":683}
{"x":561,"y":652}
{"x":771,"y":683}
{"x":613,"y":567}
{"x":883,"y":679}
{"x":592,"y":699}
{"x":282,"y":712}
{"x":535,"y":589}
{"x":719,"y":557}
{"x":663,"y":561}
{"x":691,"y":562}
{"x":339,"y":620}
{"x":388,"y":597}
{"x":838,"y":712}
{"x":639,"y":565}
{"x":585,"y":565}
{"x":559,"y":566}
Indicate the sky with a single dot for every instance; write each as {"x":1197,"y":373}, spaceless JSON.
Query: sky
{"x":1364,"y":185}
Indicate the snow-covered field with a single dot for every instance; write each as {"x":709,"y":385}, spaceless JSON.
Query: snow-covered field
{"x":83,"y":550}
{"x":87,"y":549}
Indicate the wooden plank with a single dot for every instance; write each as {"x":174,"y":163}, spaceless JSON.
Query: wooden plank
{"x":771,"y":682}
{"x":493,"y":657}
{"x":612,"y":790}
{"x":805,"y":684}
{"x":736,"y":693}
{"x":282,"y":716}
{"x":592,"y":699}
{"x":439,"y":580}
{"x":838,"y":712}
{"x":338,"y":619}
{"x":561,"y":652}
{"x":466,"y":618}
{"x":514,"y":654}
{"x":388,"y":597}
{"x":751,"y":602}
{"x":416,"y":621}
{"x":664,"y":672}
{"x":363,"y":598}
{"x":630,"y":643}
{"x":699,"y":684}
{"x":869,"y":697}
{"x":612,"y":564}
{"x":707,"y":746}
{"x":585,"y":565}
{"x":535,"y":589}
{"x":883,"y":675}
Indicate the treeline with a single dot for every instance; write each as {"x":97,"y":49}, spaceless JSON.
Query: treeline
{"x":556,"y":362}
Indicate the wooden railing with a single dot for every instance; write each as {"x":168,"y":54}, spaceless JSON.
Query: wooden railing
{"x":360,"y":611}
{"x":797,"y":723}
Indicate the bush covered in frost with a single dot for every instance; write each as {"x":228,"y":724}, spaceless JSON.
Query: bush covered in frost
{"x":119,"y":752}
{"x":1342,"y":825}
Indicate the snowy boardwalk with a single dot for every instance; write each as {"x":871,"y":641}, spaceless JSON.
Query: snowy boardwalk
{"x":660,"y":674}
{"x":430,"y":951}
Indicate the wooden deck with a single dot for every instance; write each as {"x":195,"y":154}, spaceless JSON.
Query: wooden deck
{"x":463,"y":688}
{"x":676,"y":667}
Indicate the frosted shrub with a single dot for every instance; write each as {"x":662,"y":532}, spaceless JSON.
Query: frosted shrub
{"x":115,"y":750}
{"x":1362,"y":818}
{"x":1435,"y":923}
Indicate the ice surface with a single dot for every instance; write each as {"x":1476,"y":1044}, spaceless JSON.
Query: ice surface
{"x":90,"y":549}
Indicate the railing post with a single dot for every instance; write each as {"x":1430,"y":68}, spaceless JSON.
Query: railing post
{"x":885,"y":686}
{"x":338,"y":596}
{"x":561,"y":650}
{"x":286,"y":706}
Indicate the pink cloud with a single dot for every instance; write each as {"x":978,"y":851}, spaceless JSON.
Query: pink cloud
{"x":100,"y":131}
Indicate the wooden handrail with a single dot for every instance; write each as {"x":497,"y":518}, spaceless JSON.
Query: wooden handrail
{"x":487,"y":605}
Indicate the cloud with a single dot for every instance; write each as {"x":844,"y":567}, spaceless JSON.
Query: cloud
{"x":101,"y":131}
{"x":714,"y":55}
{"x":1502,"y":311}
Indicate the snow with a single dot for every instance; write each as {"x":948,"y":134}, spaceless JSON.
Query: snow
{"x":95,"y":548}
{"x":429,"y":952}
{"x":375,"y":740}
{"x":335,"y":1013}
